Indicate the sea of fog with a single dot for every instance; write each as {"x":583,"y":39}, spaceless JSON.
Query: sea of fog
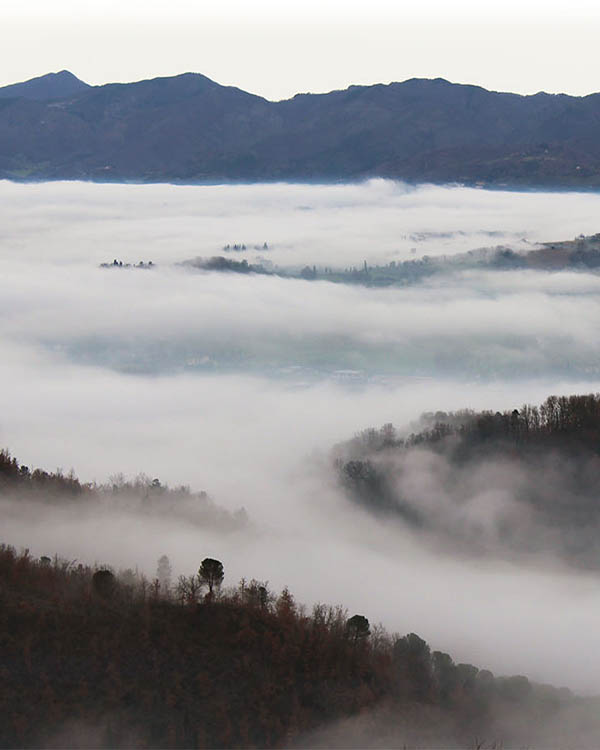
{"x":240,"y":385}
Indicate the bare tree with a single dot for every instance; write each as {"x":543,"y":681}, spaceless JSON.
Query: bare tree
{"x":188,"y":589}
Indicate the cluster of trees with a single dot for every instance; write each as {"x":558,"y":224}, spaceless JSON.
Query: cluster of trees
{"x":571,"y":423}
{"x":236,"y":248}
{"x":143,"y":493}
{"x":14,"y":475}
{"x":137,"y":665}
{"x":240,"y":247}
{"x":562,"y":421}
{"x":119,"y":264}
{"x":558,"y":440}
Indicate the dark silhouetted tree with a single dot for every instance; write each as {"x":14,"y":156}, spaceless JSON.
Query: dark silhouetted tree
{"x":357,"y":627}
{"x":412,"y":658}
{"x":211,"y":574}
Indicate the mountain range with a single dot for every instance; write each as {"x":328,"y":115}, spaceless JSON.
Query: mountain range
{"x":187,"y":128}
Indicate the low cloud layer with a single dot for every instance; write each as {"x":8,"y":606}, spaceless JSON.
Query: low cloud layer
{"x":478,"y":325}
{"x":229,"y":384}
{"x":379,"y":221}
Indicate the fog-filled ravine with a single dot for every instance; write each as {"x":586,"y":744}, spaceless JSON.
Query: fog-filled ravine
{"x":240,"y":386}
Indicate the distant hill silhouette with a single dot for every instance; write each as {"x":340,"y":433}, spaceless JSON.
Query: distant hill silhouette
{"x":188,"y":128}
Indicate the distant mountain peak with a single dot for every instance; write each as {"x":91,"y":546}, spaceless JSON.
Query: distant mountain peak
{"x":59,"y":74}
{"x":57,"y":85}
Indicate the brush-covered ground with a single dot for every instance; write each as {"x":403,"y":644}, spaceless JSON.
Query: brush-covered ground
{"x":109,"y":661}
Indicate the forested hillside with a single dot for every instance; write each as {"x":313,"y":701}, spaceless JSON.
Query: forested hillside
{"x":93,"y":659}
{"x":20,"y":484}
{"x":93,"y":656}
{"x":523,"y":481}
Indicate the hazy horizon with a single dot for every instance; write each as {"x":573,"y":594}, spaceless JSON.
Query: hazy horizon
{"x":551,"y":46}
{"x":290,"y":95}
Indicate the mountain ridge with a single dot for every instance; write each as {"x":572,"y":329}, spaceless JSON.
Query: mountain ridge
{"x":188,"y":128}
{"x":190,"y":73}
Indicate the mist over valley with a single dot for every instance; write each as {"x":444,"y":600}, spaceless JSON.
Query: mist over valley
{"x":234,"y":389}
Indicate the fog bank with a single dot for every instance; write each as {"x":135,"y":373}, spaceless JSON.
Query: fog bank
{"x":240,"y":386}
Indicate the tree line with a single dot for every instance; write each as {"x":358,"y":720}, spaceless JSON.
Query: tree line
{"x":19,"y":482}
{"x":558,"y":420}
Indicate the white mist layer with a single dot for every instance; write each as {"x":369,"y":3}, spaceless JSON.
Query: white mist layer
{"x":257,"y":441}
{"x":377,"y":221}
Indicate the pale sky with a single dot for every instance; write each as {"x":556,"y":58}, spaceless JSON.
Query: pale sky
{"x":276,"y":49}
